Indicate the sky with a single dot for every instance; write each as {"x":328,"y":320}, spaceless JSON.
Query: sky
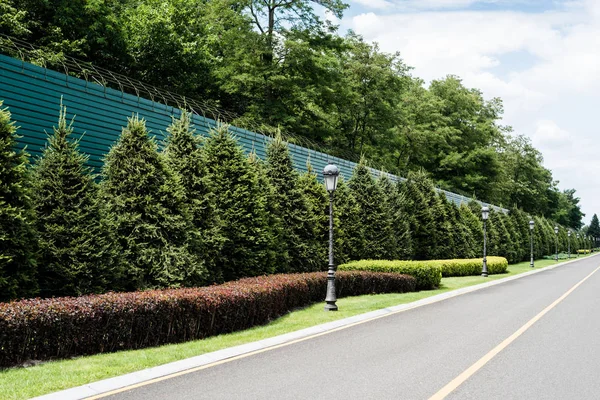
{"x":542,"y":57}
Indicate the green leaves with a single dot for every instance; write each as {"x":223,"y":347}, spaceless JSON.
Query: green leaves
{"x":76,"y":254}
{"x":144,"y":205}
{"x":18,"y":242}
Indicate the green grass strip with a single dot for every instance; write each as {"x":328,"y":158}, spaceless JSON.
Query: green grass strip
{"x":23,"y":383}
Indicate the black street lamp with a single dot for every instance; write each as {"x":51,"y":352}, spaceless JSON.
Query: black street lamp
{"x":330,"y":175}
{"x":485,"y":212}
{"x":556,"y":241}
{"x":569,"y":241}
{"x":577,"y":236}
{"x":531,"y":225}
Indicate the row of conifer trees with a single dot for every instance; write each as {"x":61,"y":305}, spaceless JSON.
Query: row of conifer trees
{"x":199,"y":211}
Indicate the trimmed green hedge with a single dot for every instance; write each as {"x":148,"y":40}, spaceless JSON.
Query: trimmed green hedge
{"x":429,"y":273}
{"x":466,"y":267}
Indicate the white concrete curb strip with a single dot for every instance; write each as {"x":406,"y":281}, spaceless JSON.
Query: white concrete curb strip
{"x":107,"y":385}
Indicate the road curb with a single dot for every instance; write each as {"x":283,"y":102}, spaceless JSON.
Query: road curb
{"x":120,"y":382}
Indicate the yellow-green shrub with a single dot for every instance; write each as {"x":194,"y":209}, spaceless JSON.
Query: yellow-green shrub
{"x":472,"y":266}
{"x":429,"y":273}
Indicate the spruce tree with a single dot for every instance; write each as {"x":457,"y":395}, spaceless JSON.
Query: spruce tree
{"x":463,"y":238}
{"x":349,"y":231}
{"x":300,"y":234}
{"x":18,"y":242}
{"x":77,"y":254}
{"x":513,"y":247}
{"x":144,"y":205}
{"x":395,"y":205}
{"x":378,"y":232}
{"x":242,"y":206}
{"x":184,"y":156}
{"x":520,"y":222}
{"x":318,"y":201}
{"x":275,"y":254}
{"x":417,"y":207}
{"x":475,"y":226}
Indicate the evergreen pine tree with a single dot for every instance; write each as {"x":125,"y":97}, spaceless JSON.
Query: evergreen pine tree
{"x":300,"y":235}
{"x":541,"y":240}
{"x":513,"y":247}
{"x":520,"y":223}
{"x":77,"y":254}
{"x":395,"y":205}
{"x":378,"y":232}
{"x":318,"y":201}
{"x":445,"y":244}
{"x":242,"y":206}
{"x":275,"y":255}
{"x":417,"y":207}
{"x":185,"y":157}
{"x":145,"y":207}
{"x":463,"y":238}
{"x":475,"y":226}
{"x":18,"y":242}
{"x":349,"y":231}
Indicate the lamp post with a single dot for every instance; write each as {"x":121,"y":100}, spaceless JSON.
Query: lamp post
{"x":556,"y":241}
{"x":330,"y":176}
{"x":485,"y":212}
{"x":531,"y":226}
{"x":577,"y":236}
{"x":569,"y":241}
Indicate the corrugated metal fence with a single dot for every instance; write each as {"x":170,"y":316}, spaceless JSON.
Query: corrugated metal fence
{"x":33,"y":95}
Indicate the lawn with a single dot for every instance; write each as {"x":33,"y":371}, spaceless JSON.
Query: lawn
{"x":23,"y":383}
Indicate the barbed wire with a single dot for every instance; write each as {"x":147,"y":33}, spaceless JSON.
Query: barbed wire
{"x":71,"y":66}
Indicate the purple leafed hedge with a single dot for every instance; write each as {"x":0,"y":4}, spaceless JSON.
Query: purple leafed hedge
{"x":72,"y":326}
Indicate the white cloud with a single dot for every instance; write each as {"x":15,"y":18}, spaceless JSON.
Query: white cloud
{"x":552,"y":96}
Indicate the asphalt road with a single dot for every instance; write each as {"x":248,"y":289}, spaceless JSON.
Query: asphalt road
{"x":414,"y":354}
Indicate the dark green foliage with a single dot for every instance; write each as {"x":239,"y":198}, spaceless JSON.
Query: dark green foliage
{"x":300,"y":234}
{"x":275,"y":255}
{"x":395,"y":206}
{"x":145,"y":208}
{"x":242,"y":206}
{"x":513,"y":248}
{"x":17,"y":234}
{"x":594,"y":228}
{"x":77,"y":256}
{"x":378,"y":234}
{"x":318,"y":201}
{"x":349,"y":228}
{"x":520,"y":222}
{"x":475,"y":226}
{"x":420,"y":216}
{"x":185,"y":157}
{"x":499,"y":240}
{"x":464,"y":243}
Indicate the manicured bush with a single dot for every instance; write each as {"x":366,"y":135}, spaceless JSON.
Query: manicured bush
{"x":495,"y":265}
{"x":72,"y":326}
{"x":427,"y":273}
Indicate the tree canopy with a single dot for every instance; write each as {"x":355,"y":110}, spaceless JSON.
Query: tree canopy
{"x":279,"y":65}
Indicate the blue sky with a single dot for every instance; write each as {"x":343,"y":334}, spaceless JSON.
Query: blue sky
{"x":541,"y":57}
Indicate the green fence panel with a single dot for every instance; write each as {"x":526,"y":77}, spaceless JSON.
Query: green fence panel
{"x":33,"y":95}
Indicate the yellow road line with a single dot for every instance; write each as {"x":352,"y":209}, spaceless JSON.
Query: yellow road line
{"x":460,"y":379}
{"x":252,"y":353}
